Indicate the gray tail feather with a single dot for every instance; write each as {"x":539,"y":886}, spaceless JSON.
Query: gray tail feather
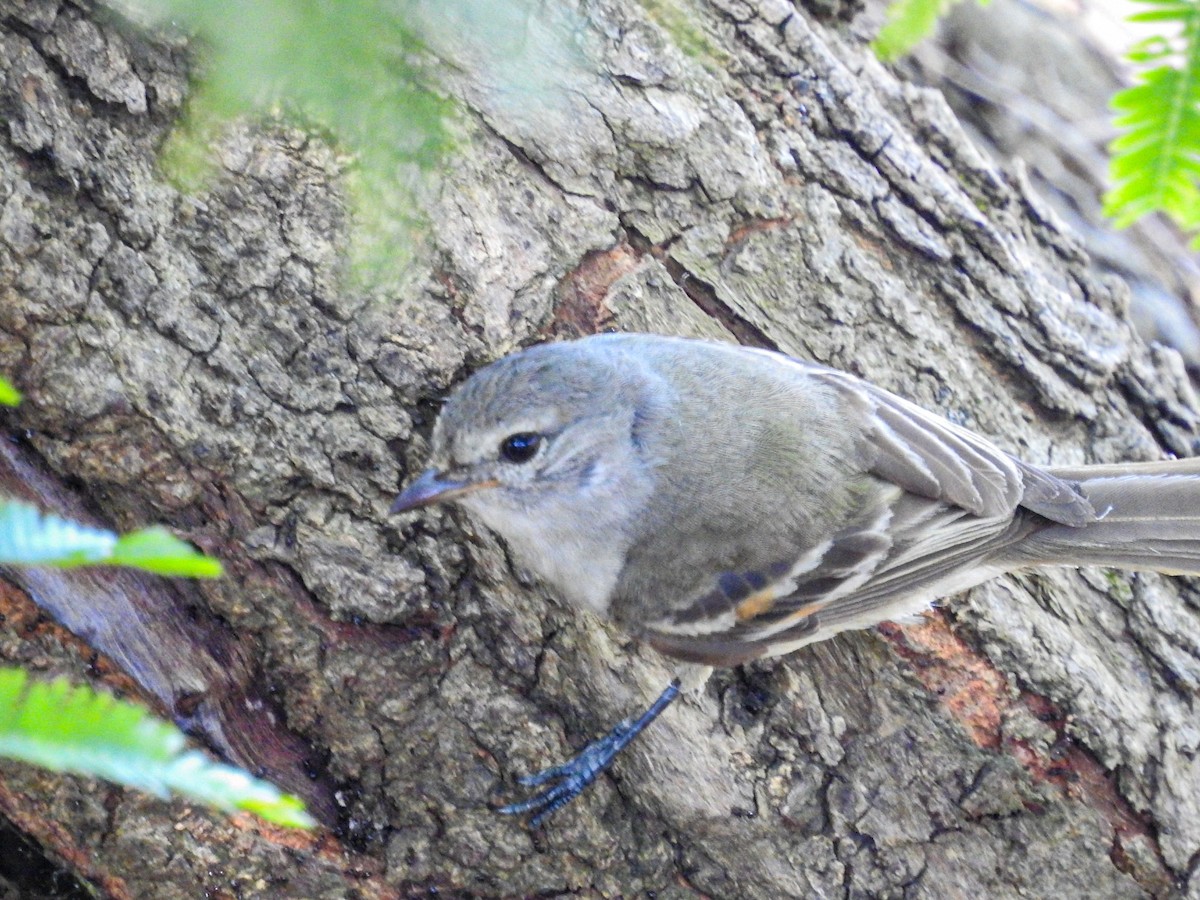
{"x":1148,"y":518}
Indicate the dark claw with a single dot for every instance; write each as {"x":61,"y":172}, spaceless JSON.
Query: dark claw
{"x":572,"y":777}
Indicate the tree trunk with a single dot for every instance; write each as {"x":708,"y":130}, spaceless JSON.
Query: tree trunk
{"x":196,"y":361}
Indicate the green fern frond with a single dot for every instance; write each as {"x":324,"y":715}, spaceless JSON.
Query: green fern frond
{"x":29,"y":538}
{"x":75,"y":729}
{"x":9,"y":395}
{"x":1155,"y":161}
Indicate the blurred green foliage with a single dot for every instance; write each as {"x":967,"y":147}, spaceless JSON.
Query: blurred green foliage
{"x":908,"y":23}
{"x":9,"y":395}
{"x":355,"y":71}
{"x":368,"y":75}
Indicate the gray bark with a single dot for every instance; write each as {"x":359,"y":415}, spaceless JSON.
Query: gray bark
{"x":197,"y":361}
{"x":1036,"y":88}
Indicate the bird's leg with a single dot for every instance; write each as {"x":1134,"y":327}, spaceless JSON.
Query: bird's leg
{"x":571,"y":778}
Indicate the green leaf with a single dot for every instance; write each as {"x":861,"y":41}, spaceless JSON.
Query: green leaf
{"x":9,"y":395}
{"x":29,"y":538}
{"x":75,"y":729}
{"x":1150,"y":49}
{"x":908,"y":23}
{"x":1154,"y":164}
{"x":1158,"y":15}
{"x":157,"y":550}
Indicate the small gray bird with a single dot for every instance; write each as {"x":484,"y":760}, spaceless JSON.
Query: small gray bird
{"x":724,"y":503}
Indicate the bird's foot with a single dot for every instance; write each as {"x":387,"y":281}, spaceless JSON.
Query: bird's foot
{"x":568,"y":780}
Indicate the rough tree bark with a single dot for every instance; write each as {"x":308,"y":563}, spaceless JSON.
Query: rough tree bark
{"x":197,"y":361}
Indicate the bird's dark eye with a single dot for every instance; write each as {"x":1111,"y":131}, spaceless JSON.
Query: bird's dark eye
{"x":520,"y":448}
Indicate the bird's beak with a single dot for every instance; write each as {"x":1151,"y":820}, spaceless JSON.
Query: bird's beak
{"x":432,"y":487}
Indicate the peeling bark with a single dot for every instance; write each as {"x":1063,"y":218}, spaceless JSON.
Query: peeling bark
{"x":196,"y":361}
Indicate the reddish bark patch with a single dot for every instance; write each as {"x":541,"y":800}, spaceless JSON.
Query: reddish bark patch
{"x":975,"y":693}
{"x":965,"y":683}
{"x":581,"y":309}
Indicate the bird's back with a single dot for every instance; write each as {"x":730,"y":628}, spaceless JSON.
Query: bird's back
{"x":755,"y":442}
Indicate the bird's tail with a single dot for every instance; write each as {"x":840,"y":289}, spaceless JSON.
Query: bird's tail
{"x":1148,"y":518}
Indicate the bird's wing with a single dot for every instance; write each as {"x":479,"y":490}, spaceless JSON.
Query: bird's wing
{"x":939,"y":501}
{"x":931,"y":457}
{"x":880,"y":565}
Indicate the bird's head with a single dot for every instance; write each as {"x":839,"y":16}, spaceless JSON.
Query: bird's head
{"x":535,"y":434}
